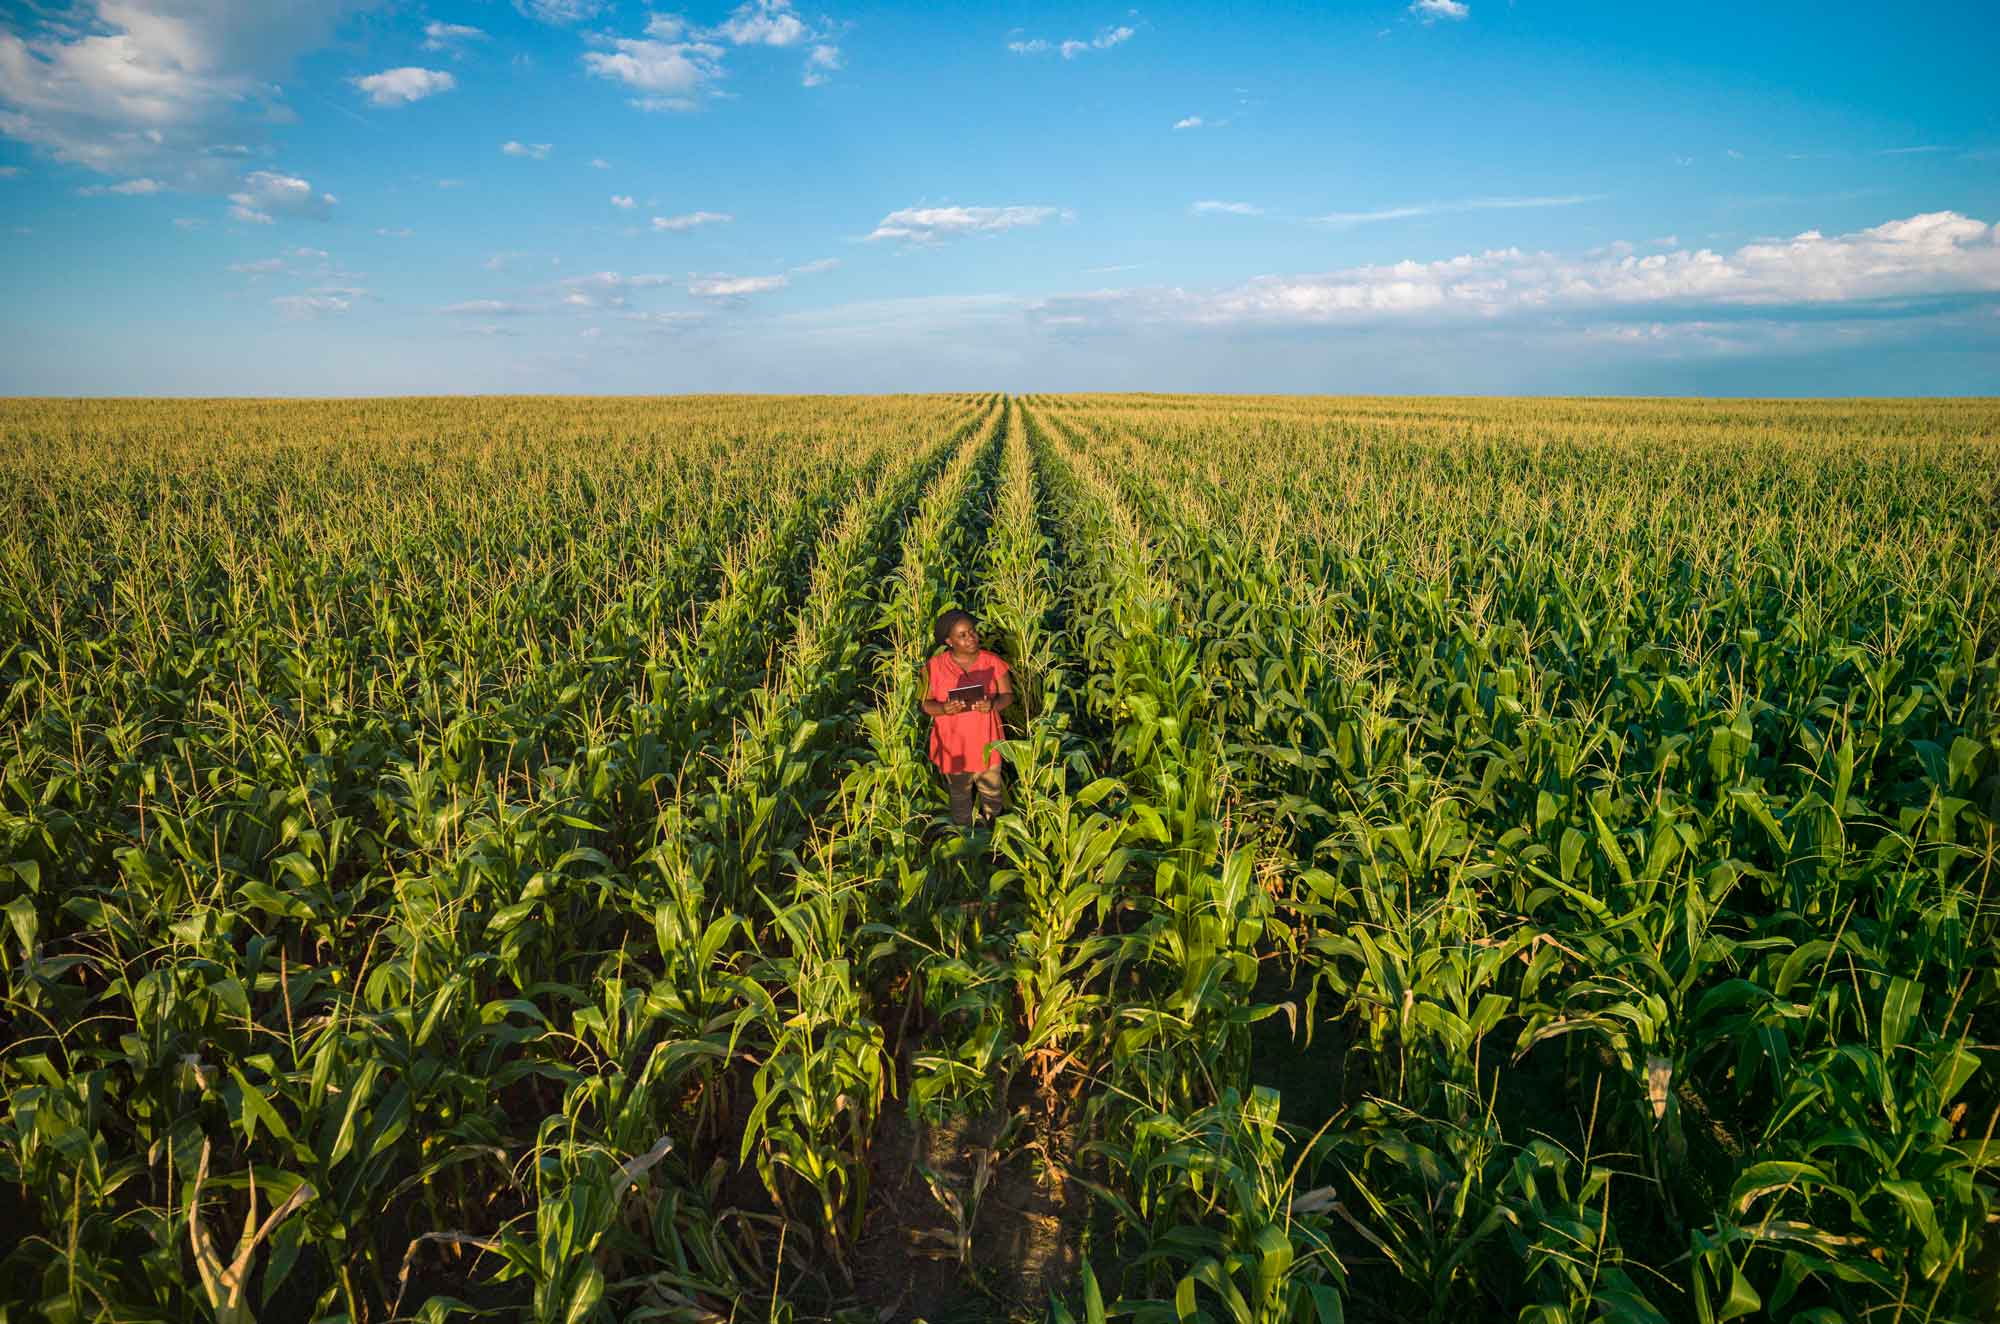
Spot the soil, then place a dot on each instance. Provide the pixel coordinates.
(1015, 1245)
(1311, 1080)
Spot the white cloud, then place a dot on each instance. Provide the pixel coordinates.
(1937, 254)
(823, 60)
(731, 287)
(665, 324)
(623, 201)
(501, 261)
(533, 151)
(1910, 151)
(763, 23)
(266, 195)
(399, 87)
(1069, 50)
(1191, 122)
(671, 73)
(690, 220)
(1467, 204)
(599, 163)
(131, 188)
(268, 266)
(816, 266)
(927, 225)
(315, 305)
(395, 232)
(675, 66)
(1430, 11)
(10, 172)
(559, 12)
(114, 84)
(1103, 41)
(188, 223)
(1212, 208)
(611, 283)
(451, 183)
(449, 36)
(772, 23)
(485, 308)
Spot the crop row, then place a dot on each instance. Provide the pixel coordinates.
(374, 917)
(1630, 818)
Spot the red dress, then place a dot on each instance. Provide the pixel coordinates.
(963, 743)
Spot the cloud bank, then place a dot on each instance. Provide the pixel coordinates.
(114, 85)
(1926, 257)
(929, 225)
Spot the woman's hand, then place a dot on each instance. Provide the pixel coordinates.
(983, 706)
(953, 707)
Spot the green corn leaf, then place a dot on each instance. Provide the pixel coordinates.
(1949, 1074)
(1274, 1261)
(1327, 1305)
(1761, 1179)
(21, 916)
(257, 1109)
(1608, 843)
(1899, 1008)
(1742, 1299)
(1570, 852)
(1093, 1297)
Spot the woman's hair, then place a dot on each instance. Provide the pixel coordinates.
(948, 622)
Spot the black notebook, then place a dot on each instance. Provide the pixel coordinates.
(972, 691)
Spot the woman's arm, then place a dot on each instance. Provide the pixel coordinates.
(933, 705)
(1003, 696)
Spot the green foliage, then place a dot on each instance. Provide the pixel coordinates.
(1465, 859)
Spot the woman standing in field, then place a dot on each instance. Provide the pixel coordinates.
(968, 690)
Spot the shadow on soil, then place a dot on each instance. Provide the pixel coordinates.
(965, 1222)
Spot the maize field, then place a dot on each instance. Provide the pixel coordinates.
(1466, 859)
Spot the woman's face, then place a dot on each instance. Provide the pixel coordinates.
(963, 638)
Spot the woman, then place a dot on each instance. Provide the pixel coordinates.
(964, 729)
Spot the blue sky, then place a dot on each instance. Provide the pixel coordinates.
(344, 197)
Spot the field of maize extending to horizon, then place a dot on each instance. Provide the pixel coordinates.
(1466, 859)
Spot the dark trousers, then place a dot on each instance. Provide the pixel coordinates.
(992, 794)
